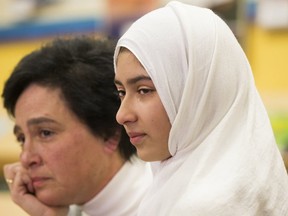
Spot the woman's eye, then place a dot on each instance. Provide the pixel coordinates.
(45, 133)
(20, 139)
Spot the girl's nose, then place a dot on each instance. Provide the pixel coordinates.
(126, 112)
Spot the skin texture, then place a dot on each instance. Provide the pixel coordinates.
(59, 154)
(141, 111)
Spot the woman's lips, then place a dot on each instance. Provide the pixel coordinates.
(39, 181)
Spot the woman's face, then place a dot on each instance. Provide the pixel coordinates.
(141, 111)
(58, 150)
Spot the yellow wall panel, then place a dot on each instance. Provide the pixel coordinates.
(267, 51)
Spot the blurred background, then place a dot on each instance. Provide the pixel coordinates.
(261, 27)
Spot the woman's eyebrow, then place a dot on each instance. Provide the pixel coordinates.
(34, 121)
(133, 80)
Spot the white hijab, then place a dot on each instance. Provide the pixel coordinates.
(225, 159)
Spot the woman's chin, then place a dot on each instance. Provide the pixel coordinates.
(52, 199)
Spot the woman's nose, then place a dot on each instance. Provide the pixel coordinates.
(29, 156)
(126, 112)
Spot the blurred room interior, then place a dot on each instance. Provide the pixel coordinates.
(261, 27)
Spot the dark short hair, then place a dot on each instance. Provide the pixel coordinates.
(82, 68)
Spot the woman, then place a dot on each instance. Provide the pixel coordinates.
(73, 155)
(189, 103)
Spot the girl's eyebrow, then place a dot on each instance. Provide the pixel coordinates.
(134, 80)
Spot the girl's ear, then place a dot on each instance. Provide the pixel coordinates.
(112, 143)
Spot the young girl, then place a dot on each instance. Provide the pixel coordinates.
(189, 103)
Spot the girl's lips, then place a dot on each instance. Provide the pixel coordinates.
(136, 138)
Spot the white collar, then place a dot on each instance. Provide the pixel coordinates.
(123, 193)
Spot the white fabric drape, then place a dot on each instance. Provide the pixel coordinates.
(225, 159)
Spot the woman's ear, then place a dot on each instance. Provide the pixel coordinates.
(111, 144)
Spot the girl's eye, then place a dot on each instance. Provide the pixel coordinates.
(121, 93)
(144, 91)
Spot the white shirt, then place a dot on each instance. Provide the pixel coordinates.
(122, 195)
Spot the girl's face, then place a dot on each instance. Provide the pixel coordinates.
(141, 111)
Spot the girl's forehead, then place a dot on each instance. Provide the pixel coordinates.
(127, 54)
(127, 57)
